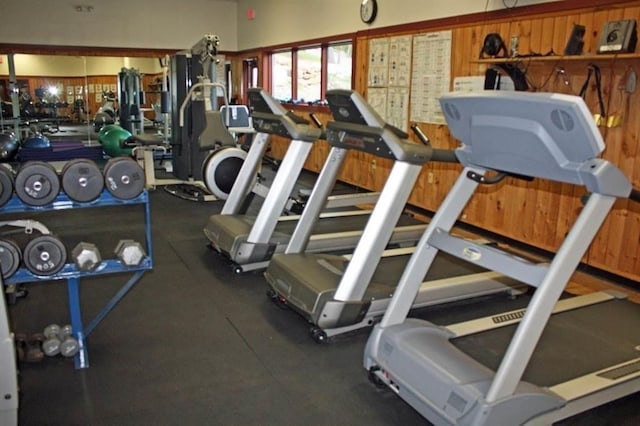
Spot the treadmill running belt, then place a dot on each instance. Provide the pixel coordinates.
(571, 344)
(340, 224)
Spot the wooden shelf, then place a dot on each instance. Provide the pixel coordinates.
(557, 58)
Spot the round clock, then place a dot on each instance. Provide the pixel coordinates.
(368, 10)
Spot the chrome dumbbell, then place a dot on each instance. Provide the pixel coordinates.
(59, 340)
(51, 344)
(69, 346)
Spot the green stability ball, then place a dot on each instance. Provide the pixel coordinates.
(112, 137)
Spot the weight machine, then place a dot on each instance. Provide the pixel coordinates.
(202, 146)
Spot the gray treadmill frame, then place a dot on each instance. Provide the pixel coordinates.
(345, 311)
(549, 136)
(255, 250)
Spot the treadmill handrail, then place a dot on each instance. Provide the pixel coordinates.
(381, 142)
(269, 116)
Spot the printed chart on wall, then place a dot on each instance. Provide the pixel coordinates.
(431, 76)
(389, 78)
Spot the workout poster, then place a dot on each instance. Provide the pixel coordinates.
(431, 76)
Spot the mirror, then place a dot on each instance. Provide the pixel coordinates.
(58, 94)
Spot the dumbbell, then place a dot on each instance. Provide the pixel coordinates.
(130, 252)
(69, 346)
(86, 256)
(59, 340)
(51, 344)
(33, 348)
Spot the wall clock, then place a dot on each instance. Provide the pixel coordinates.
(368, 10)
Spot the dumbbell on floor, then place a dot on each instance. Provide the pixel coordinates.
(59, 340)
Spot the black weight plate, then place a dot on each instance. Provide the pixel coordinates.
(6, 185)
(124, 178)
(9, 258)
(82, 180)
(44, 255)
(37, 183)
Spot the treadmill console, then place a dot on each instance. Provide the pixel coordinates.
(269, 116)
(546, 135)
(358, 126)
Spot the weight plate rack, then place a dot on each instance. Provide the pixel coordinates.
(72, 274)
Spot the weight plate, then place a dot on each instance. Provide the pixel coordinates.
(9, 258)
(82, 180)
(44, 255)
(124, 178)
(37, 183)
(220, 170)
(6, 185)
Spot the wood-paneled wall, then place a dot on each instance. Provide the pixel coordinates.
(538, 213)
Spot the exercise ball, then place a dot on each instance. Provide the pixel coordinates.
(112, 138)
(37, 141)
(8, 146)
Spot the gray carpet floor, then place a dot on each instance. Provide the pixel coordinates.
(194, 344)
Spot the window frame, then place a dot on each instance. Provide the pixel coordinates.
(324, 45)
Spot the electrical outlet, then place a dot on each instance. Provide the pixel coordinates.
(430, 177)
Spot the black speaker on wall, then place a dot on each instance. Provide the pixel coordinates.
(576, 40)
(618, 37)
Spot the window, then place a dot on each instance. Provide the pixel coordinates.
(305, 74)
(281, 68)
(339, 66)
(309, 74)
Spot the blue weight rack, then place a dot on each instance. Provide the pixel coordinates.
(72, 275)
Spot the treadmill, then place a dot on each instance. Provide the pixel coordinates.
(553, 359)
(341, 293)
(249, 241)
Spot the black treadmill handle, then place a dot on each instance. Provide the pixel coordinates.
(420, 134)
(316, 120)
(296, 118)
(444, 156)
(399, 133)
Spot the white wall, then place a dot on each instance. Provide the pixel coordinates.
(158, 24)
(283, 21)
(171, 24)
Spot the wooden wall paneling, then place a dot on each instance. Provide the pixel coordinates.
(460, 51)
(521, 209)
(607, 243)
(361, 65)
(540, 212)
(560, 35)
(537, 31)
(547, 28)
(616, 233)
(631, 248)
(546, 214)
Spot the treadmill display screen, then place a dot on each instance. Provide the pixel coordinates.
(344, 110)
